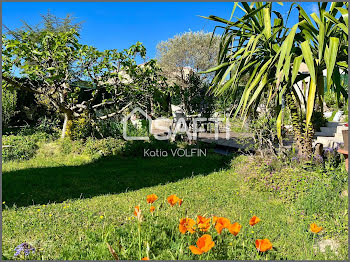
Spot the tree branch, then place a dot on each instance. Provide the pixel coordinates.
(113, 114)
(18, 85)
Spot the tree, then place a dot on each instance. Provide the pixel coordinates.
(197, 50)
(49, 23)
(77, 79)
(271, 55)
(151, 90)
(185, 54)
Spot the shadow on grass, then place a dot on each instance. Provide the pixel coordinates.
(107, 175)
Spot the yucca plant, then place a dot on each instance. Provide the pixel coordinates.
(324, 45)
(271, 54)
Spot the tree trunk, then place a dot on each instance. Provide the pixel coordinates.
(302, 135)
(67, 125)
(305, 147)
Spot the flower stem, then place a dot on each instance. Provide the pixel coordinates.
(139, 229)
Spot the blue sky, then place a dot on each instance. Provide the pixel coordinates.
(119, 25)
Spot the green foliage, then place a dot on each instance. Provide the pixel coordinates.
(333, 103)
(48, 125)
(197, 96)
(81, 127)
(114, 128)
(103, 147)
(238, 126)
(287, 182)
(180, 58)
(319, 120)
(79, 79)
(22, 146)
(272, 55)
(33, 47)
(110, 128)
(91, 147)
(49, 22)
(9, 99)
(264, 130)
(19, 148)
(68, 146)
(291, 179)
(197, 50)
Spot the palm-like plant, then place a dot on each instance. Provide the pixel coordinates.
(271, 54)
(325, 46)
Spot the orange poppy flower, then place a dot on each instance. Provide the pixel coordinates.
(186, 224)
(222, 223)
(254, 220)
(314, 228)
(152, 208)
(234, 228)
(263, 245)
(180, 201)
(203, 223)
(151, 198)
(204, 244)
(137, 210)
(215, 219)
(137, 213)
(173, 199)
(145, 258)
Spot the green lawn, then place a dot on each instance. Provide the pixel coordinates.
(62, 226)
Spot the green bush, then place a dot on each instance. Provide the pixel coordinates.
(23, 145)
(9, 99)
(20, 147)
(139, 130)
(48, 125)
(113, 128)
(291, 180)
(110, 128)
(288, 182)
(265, 132)
(103, 147)
(81, 128)
(68, 146)
(91, 146)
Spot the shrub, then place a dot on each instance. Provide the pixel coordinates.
(24, 144)
(113, 128)
(264, 130)
(141, 129)
(91, 146)
(103, 147)
(48, 125)
(318, 120)
(110, 128)
(68, 146)
(20, 147)
(289, 180)
(81, 127)
(9, 99)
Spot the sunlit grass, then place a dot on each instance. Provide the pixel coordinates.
(81, 228)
